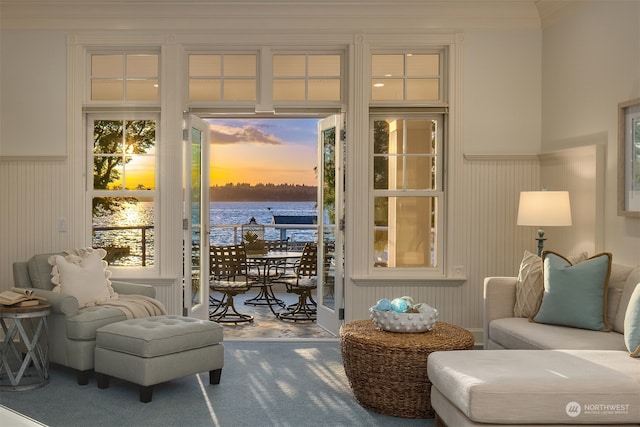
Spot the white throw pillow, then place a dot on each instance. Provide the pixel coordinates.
(83, 274)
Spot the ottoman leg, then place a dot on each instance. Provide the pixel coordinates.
(214, 376)
(103, 380)
(146, 392)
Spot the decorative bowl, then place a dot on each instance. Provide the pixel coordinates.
(405, 322)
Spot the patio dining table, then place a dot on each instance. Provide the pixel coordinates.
(264, 263)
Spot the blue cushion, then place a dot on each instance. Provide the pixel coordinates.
(632, 324)
(575, 295)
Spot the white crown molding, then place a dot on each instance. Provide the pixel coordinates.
(267, 15)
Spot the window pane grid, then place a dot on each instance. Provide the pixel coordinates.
(124, 77)
(123, 190)
(223, 77)
(406, 192)
(306, 77)
(405, 77)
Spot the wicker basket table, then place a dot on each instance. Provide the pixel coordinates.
(387, 371)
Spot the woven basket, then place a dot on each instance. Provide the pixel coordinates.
(388, 371)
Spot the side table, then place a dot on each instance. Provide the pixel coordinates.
(387, 371)
(24, 364)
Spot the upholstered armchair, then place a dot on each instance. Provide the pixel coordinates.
(72, 328)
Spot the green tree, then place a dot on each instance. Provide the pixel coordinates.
(114, 141)
(329, 170)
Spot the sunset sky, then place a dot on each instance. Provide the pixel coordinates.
(276, 151)
(253, 151)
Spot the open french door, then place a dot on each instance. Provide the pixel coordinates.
(331, 151)
(196, 218)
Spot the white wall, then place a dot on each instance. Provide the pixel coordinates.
(33, 93)
(502, 91)
(590, 63)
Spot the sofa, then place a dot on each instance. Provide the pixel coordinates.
(532, 373)
(72, 328)
(503, 330)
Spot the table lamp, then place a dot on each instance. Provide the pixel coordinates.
(543, 209)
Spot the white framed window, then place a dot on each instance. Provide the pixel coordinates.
(228, 77)
(407, 77)
(407, 197)
(312, 77)
(123, 77)
(407, 187)
(122, 170)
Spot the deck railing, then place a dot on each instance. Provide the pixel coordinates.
(115, 251)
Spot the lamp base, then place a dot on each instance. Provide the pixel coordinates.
(540, 240)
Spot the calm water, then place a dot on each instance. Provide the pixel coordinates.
(239, 213)
(126, 243)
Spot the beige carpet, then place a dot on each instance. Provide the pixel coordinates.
(265, 324)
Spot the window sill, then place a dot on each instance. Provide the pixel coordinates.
(410, 281)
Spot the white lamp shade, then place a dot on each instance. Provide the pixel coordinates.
(544, 208)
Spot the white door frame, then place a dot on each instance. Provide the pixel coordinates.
(196, 224)
(330, 293)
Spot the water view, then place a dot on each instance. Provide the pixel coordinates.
(238, 213)
(124, 244)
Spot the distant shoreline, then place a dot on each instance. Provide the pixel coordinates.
(263, 193)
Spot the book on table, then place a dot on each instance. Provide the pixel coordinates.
(18, 297)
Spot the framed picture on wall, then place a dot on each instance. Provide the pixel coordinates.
(629, 158)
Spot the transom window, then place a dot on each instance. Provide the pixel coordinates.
(307, 77)
(123, 196)
(406, 77)
(223, 77)
(124, 77)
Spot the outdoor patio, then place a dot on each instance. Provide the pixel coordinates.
(265, 324)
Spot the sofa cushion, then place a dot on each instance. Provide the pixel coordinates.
(539, 387)
(520, 333)
(619, 275)
(84, 325)
(84, 276)
(632, 324)
(40, 271)
(530, 283)
(632, 280)
(575, 295)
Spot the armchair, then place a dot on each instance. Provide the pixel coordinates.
(72, 330)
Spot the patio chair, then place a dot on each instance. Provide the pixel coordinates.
(304, 282)
(229, 277)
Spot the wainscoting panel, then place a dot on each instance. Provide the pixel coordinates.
(34, 212)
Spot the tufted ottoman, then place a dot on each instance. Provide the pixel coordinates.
(152, 350)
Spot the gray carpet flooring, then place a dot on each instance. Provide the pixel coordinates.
(264, 383)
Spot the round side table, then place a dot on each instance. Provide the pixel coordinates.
(24, 364)
(387, 371)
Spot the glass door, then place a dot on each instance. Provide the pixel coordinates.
(331, 151)
(196, 219)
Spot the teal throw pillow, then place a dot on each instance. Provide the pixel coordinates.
(632, 324)
(575, 295)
